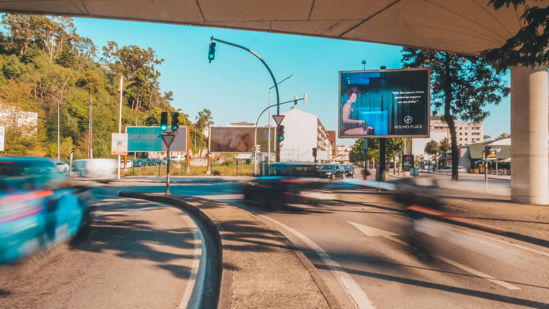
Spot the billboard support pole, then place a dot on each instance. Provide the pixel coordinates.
(188, 156)
(381, 176)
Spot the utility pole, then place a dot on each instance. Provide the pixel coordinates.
(90, 135)
(58, 134)
(120, 119)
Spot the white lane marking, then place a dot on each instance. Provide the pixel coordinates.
(373, 232)
(478, 273)
(197, 252)
(350, 286)
(222, 196)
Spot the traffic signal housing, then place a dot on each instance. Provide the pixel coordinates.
(211, 53)
(163, 121)
(280, 133)
(175, 121)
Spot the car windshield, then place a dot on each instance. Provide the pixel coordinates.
(27, 168)
(329, 167)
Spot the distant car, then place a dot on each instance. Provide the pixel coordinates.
(285, 183)
(332, 171)
(349, 170)
(37, 207)
(98, 169)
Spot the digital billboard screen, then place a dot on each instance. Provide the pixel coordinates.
(240, 139)
(384, 103)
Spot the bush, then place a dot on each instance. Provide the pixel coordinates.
(216, 173)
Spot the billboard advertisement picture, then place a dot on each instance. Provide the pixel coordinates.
(239, 139)
(384, 103)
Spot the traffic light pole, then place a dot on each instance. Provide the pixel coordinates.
(270, 72)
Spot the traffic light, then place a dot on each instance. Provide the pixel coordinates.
(280, 132)
(175, 121)
(211, 53)
(163, 121)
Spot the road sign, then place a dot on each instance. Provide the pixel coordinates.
(119, 144)
(168, 138)
(149, 139)
(1, 138)
(278, 119)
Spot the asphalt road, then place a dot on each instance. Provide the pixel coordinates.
(136, 254)
(360, 251)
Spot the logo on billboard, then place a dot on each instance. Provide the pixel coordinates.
(408, 119)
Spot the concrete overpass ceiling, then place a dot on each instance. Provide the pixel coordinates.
(465, 26)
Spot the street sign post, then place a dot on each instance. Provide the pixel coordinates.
(167, 139)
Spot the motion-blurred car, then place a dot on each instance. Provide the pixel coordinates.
(349, 170)
(37, 207)
(98, 169)
(332, 171)
(286, 183)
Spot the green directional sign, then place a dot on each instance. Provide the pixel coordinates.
(144, 139)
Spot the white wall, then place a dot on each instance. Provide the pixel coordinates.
(300, 136)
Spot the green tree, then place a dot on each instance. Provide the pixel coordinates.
(204, 119)
(394, 148)
(433, 148)
(530, 46)
(461, 85)
(444, 147)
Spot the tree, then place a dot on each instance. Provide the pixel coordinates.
(432, 148)
(461, 85)
(530, 46)
(444, 146)
(204, 119)
(394, 148)
(503, 136)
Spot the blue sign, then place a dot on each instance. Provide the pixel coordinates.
(144, 139)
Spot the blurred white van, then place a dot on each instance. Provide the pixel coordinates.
(100, 169)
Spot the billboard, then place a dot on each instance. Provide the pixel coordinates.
(119, 144)
(149, 139)
(384, 103)
(240, 139)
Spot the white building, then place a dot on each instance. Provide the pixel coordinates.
(467, 133)
(302, 133)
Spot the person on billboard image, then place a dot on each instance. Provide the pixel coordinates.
(350, 122)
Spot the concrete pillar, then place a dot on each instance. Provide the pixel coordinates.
(529, 135)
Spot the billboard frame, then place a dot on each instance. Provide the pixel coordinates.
(236, 152)
(339, 108)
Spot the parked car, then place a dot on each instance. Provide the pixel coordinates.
(63, 167)
(38, 208)
(98, 169)
(332, 171)
(285, 183)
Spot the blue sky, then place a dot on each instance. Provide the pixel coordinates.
(235, 85)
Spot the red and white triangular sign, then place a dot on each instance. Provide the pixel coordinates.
(278, 119)
(168, 139)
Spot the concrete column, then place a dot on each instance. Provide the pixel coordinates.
(529, 135)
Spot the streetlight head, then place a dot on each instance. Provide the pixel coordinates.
(304, 98)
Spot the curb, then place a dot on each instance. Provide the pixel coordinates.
(206, 292)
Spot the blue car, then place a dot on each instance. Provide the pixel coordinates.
(37, 207)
